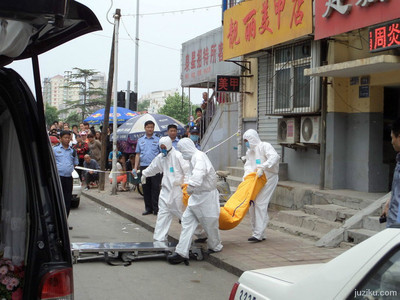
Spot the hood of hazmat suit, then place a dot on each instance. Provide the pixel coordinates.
(166, 141)
(261, 155)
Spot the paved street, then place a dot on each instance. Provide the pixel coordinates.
(238, 255)
(144, 279)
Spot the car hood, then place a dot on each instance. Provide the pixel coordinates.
(289, 274)
(275, 282)
(24, 35)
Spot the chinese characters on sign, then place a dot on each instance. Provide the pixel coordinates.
(202, 59)
(227, 83)
(345, 8)
(333, 17)
(385, 36)
(257, 24)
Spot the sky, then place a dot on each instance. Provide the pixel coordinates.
(163, 27)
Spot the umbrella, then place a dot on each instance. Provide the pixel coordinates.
(123, 114)
(134, 127)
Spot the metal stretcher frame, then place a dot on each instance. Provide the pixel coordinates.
(126, 251)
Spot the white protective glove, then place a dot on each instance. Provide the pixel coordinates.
(190, 189)
(260, 172)
(143, 179)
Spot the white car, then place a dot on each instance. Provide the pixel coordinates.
(76, 190)
(370, 270)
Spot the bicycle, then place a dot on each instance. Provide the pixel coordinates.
(223, 187)
(136, 182)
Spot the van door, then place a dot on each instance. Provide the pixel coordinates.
(34, 231)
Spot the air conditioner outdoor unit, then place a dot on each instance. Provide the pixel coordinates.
(309, 132)
(288, 130)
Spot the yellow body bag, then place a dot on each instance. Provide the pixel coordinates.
(185, 198)
(238, 204)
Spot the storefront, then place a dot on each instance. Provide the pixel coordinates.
(362, 72)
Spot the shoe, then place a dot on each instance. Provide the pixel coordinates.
(201, 240)
(145, 213)
(256, 240)
(86, 188)
(175, 259)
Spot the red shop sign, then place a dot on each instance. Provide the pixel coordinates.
(385, 36)
(333, 17)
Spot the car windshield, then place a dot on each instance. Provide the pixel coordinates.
(383, 282)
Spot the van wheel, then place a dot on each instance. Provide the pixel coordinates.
(75, 202)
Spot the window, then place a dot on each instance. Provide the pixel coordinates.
(383, 282)
(289, 91)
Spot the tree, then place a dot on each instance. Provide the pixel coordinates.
(91, 97)
(143, 105)
(174, 107)
(51, 114)
(73, 118)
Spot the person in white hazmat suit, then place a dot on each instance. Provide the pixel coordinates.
(173, 167)
(262, 158)
(203, 204)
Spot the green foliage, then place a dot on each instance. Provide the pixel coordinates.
(176, 108)
(91, 98)
(73, 118)
(51, 114)
(143, 105)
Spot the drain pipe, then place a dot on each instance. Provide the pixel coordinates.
(323, 132)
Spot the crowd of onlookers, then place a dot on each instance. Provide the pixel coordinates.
(86, 141)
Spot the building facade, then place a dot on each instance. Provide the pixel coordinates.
(323, 95)
(157, 99)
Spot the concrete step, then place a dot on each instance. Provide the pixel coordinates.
(357, 236)
(236, 171)
(309, 222)
(233, 181)
(372, 223)
(299, 231)
(330, 212)
(341, 200)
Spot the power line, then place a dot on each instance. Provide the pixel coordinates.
(159, 45)
(173, 11)
(130, 39)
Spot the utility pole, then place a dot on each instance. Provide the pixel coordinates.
(117, 16)
(135, 86)
(104, 131)
(128, 95)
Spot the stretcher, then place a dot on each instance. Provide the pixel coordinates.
(124, 253)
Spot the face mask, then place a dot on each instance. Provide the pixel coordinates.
(186, 156)
(247, 145)
(164, 152)
(194, 138)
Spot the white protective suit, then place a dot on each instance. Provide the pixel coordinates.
(173, 167)
(203, 203)
(261, 155)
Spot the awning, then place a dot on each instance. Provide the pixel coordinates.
(358, 67)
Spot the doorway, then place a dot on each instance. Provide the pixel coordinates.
(391, 111)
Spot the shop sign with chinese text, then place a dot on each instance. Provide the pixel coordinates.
(228, 83)
(334, 17)
(385, 36)
(202, 59)
(258, 24)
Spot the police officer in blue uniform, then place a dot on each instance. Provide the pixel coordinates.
(66, 159)
(172, 131)
(147, 149)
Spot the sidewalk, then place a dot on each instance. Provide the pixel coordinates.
(238, 255)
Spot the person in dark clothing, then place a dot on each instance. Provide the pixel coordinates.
(81, 148)
(90, 176)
